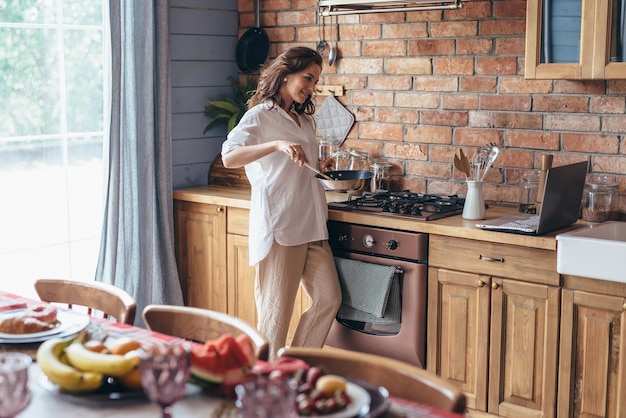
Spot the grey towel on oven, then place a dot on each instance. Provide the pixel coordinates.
(370, 292)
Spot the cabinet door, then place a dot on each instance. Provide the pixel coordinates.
(523, 351)
(458, 331)
(200, 231)
(592, 379)
(585, 39)
(241, 278)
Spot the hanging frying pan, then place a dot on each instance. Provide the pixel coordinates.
(253, 47)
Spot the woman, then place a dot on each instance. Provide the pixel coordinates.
(288, 210)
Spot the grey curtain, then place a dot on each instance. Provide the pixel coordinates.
(137, 247)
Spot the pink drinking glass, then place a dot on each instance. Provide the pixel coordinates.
(264, 397)
(14, 393)
(164, 374)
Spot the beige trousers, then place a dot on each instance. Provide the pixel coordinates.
(278, 277)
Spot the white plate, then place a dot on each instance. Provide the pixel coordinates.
(360, 403)
(11, 336)
(107, 392)
(70, 322)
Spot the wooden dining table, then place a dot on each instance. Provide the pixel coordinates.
(48, 401)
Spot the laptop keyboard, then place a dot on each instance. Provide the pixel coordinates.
(529, 223)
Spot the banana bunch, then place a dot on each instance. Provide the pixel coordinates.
(50, 357)
(75, 368)
(115, 365)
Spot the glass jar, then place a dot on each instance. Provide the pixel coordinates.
(359, 159)
(528, 192)
(600, 200)
(343, 160)
(381, 179)
(326, 148)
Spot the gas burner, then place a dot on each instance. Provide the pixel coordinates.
(404, 204)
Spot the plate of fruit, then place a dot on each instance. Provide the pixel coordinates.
(333, 397)
(88, 371)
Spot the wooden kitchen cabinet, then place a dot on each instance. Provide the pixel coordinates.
(212, 259)
(200, 235)
(493, 327)
(241, 275)
(598, 42)
(592, 371)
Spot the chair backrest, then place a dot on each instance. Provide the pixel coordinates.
(201, 325)
(399, 378)
(96, 298)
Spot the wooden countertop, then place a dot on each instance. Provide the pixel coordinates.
(454, 226)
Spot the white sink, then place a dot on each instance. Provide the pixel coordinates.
(597, 252)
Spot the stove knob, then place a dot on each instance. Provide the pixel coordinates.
(392, 245)
(368, 241)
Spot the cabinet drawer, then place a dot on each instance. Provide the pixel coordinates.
(501, 260)
(237, 221)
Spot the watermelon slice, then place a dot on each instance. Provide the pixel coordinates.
(224, 360)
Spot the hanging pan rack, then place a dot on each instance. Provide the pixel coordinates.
(346, 7)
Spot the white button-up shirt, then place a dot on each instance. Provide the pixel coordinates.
(288, 204)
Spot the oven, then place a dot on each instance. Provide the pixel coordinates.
(404, 252)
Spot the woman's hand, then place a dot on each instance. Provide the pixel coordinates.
(294, 151)
(328, 164)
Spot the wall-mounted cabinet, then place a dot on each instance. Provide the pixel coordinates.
(575, 39)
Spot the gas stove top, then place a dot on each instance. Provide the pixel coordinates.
(405, 204)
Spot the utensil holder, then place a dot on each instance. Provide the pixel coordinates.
(474, 207)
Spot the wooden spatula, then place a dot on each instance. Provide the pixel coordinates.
(458, 165)
(464, 163)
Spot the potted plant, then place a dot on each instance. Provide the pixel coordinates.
(229, 109)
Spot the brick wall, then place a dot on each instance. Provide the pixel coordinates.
(422, 85)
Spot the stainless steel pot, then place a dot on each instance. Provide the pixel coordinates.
(346, 180)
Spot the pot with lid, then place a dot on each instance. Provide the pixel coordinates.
(359, 159)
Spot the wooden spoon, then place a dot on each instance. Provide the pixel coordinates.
(327, 177)
(465, 163)
(458, 165)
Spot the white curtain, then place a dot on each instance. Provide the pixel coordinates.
(137, 247)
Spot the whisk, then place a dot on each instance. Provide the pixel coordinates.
(483, 160)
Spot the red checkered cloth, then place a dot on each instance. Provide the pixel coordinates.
(399, 407)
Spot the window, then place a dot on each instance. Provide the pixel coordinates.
(52, 84)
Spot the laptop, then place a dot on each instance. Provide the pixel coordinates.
(560, 205)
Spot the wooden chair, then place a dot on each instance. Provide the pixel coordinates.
(399, 378)
(200, 325)
(109, 301)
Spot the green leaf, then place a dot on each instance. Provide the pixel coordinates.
(225, 105)
(229, 110)
(232, 122)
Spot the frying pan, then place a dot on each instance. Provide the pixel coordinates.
(344, 180)
(253, 47)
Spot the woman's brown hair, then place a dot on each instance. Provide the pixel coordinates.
(292, 60)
